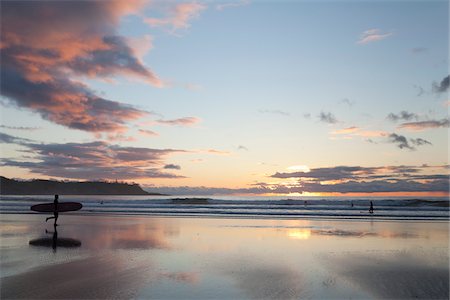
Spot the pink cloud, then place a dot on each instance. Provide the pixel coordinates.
(147, 132)
(48, 45)
(186, 121)
(216, 152)
(425, 125)
(372, 35)
(346, 130)
(178, 17)
(356, 131)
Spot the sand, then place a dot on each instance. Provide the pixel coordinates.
(135, 257)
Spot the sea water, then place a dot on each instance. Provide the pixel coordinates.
(436, 208)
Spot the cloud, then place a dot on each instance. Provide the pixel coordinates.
(402, 141)
(178, 16)
(419, 50)
(347, 101)
(340, 179)
(332, 173)
(347, 130)
(217, 152)
(234, 4)
(241, 147)
(420, 142)
(147, 132)
(20, 128)
(378, 186)
(187, 121)
(172, 167)
(348, 179)
(420, 90)
(47, 46)
(424, 125)
(274, 111)
(403, 115)
(328, 118)
(90, 161)
(443, 86)
(372, 35)
(9, 139)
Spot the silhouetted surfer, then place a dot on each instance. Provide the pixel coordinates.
(55, 212)
(371, 207)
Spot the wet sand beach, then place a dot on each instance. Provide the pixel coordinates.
(123, 257)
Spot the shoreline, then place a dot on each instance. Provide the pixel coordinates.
(243, 216)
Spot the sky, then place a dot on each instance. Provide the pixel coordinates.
(229, 97)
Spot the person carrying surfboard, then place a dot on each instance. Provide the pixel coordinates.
(56, 207)
(55, 212)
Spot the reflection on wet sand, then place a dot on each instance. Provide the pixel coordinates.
(261, 280)
(186, 277)
(299, 234)
(103, 277)
(55, 241)
(112, 233)
(401, 275)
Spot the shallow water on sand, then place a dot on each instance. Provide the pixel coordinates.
(198, 258)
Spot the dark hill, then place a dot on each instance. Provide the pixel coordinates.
(51, 187)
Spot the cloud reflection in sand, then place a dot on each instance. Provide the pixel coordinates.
(125, 235)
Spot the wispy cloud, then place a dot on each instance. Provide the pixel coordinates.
(93, 160)
(441, 87)
(9, 139)
(147, 132)
(241, 147)
(424, 125)
(328, 118)
(274, 111)
(402, 142)
(25, 128)
(403, 115)
(172, 167)
(372, 35)
(419, 50)
(186, 121)
(348, 102)
(216, 152)
(354, 131)
(347, 130)
(233, 4)
(178, 16)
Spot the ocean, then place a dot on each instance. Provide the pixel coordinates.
(395, 208)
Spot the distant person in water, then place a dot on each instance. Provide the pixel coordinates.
(55, 212)
(371, 207)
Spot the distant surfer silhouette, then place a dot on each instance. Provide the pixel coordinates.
(55, 212)
(371, 207)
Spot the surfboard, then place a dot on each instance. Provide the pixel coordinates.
(62, 207)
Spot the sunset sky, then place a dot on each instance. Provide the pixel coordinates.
(228, 97)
